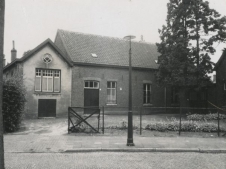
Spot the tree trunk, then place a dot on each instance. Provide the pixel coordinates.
(2, 17)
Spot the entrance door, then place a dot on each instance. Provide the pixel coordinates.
(47, 108)
(91, 99)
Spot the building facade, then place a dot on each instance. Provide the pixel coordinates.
(83, 70)
(220, 90)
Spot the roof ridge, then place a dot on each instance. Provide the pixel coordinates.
(104, 36)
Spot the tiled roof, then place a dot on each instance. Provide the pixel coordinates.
(110, 51)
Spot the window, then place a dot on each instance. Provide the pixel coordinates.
(147, 94)
(91, 85)
(47, 80)
(174, 95)
(111, 92)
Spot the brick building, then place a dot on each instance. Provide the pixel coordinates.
(87, 70)
(220, 90)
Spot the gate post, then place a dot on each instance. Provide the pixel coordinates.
(103, 120)
(141, 120)
(218, 123)
(180, 122)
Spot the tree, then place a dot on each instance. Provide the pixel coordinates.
(187, 40)
(2, 17)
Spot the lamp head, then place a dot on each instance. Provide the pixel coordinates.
(129, 37)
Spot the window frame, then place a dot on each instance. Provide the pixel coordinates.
(145, 94)
(111, 89)
(48, 71)
(93, 84)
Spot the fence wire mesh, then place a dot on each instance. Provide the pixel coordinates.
(148, 120)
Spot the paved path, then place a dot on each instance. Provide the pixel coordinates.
(115, 160)
(73, 143)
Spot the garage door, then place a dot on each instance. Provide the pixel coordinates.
(47, 108)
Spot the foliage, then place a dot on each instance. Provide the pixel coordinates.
(79, 128)
(122, 126)
(210, 116)
(187, 40)
(13, 103)
(189, 126)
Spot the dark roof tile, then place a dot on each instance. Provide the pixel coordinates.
(109, 51)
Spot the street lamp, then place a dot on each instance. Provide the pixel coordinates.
(130, 113)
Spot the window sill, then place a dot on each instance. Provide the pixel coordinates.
(111, 104)
(149, 104)
(46, 93)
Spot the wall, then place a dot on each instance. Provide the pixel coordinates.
(120, 75)
(63, 98)
(220, 80)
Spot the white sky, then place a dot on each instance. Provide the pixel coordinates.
(30, 22)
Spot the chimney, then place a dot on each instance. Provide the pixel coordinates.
(141, 38)
(3, 60)
(13, 53)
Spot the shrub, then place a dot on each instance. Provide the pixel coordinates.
(192, 126)
(13, 103)
(123, 125)
(210, 116)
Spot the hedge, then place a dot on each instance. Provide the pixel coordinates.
(13, 103)
(191, 126)
(210, 116)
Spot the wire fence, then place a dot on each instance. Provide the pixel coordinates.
(163, 119)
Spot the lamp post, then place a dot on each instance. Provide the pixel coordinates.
(130, 113)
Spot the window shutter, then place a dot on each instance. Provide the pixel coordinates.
(44, 84)
(50, 84)
(38, 83)
(56, 84)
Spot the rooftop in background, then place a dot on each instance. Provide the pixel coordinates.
(79, 47)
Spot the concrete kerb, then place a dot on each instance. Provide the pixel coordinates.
(151, 150)
(163, 150)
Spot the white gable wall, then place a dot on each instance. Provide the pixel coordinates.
(63, 99)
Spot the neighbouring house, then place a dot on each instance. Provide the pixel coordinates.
(84, 70)
(220, 90)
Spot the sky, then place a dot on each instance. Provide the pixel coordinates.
(30, 22)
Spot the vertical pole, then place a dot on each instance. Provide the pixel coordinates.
(68, 120)
(180, 122)
(2, 21)
(103, 121)
(218, 125)
(165, 101)
(130, 113)
(98, 120)
(141, 120)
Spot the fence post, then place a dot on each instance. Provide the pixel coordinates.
(218, 127)
(180, 122)
(68, 120)
(141, 120)
(98, 120)
(103, 120)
